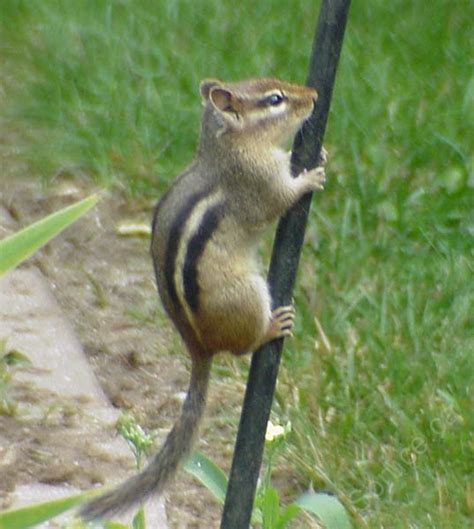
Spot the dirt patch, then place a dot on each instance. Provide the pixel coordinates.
(104, 283)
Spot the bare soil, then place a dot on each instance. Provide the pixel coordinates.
(104, 283)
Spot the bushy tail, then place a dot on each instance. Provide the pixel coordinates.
(154, 478)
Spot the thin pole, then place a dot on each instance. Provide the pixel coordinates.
(284, 263)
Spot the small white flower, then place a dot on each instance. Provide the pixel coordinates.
(274, 431)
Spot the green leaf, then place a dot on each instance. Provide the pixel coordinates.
(31, 515)
(139, 519)
(271, 508)
(208, 473)
(327, 508)
(14, 358)
(115, 525)
(287, 515)
(17, 247)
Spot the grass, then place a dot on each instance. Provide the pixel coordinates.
(382, 412)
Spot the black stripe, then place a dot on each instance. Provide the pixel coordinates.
(173, 243)
(196, 246)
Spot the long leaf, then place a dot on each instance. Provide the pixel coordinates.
(207, 473)
(327, 508)
(17, 247)
(31, 515)
(271, 508)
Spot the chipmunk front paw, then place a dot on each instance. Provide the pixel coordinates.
(315, 177)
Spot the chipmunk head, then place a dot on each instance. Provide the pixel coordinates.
(261, 109)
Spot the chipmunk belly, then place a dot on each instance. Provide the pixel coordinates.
(234, 308)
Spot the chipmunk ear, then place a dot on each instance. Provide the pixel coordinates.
(222, 99)
(206, 86)
(226, 105)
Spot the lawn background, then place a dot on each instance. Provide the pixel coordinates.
(381, 401)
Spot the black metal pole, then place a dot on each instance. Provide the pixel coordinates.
(284, 263)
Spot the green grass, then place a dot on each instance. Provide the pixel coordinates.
(382, 411)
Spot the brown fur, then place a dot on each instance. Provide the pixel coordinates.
(242, 172)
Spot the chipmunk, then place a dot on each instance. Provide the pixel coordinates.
(205, 234)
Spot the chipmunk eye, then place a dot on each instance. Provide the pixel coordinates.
(274, 99)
